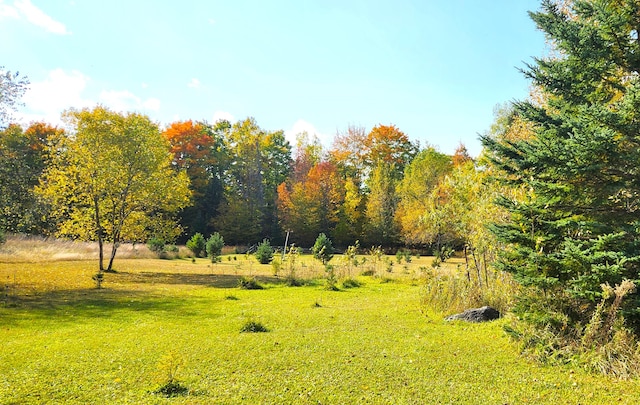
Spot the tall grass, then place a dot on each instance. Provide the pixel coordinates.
(448, 292)
(23, 248)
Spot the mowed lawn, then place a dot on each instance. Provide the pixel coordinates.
(63, 341)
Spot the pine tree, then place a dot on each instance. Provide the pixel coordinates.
(579, 224)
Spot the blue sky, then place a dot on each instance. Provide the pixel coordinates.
(435, 69)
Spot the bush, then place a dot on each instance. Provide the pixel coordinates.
(403, 254)
(253, 327)
(264, 252)
(214, 246)
(276, 265)
(3, 238)
(323, 249)
(350, 283)
(198, 245)
(157, 246)
(249, 283)
(168, 369)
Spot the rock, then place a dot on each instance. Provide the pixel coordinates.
(483, 314)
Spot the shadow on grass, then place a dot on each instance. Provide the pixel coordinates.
(209, 280)
(131, 296)
(71, 305)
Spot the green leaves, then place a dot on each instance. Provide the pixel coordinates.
(576, 227)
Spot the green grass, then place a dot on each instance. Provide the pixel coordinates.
(66, 342)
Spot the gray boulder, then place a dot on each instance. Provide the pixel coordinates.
(483, 314)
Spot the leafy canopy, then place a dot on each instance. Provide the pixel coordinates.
(110, 180)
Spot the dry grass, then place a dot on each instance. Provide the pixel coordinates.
(36, 265)
(31, 249)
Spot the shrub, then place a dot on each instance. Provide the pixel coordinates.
(291, 260)
(214, 246)
(253, 327)
(3, 238)
(350, 283)
(264, 252)
(276, 265)
(332, 282)
(249, 283)
(168, 368)
(98, 278)
(403, 254)
(197, 244)
(323, 249)
(157, 246)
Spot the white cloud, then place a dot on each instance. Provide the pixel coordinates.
(124, 100)
(34, 15)
(194, 83)
(45, 100)
(118, 100)
(301, 126)
(152, 104)
(8, 11)
(223, 115)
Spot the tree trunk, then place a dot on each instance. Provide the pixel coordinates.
(114, 249)
(100, 236)
(466, 262)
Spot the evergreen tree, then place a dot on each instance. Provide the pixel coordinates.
(578, 225)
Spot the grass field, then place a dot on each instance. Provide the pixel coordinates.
(63, 341)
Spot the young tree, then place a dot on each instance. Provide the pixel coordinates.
(577, 226)
(111, 180)
(323, 249)
(264, 252)
(214, 246)
(197, 244)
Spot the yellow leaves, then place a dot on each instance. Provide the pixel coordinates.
(117, 164)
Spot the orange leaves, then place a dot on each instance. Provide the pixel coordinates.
(189, 142)
(190, 145)
(387, 144)
(461, 156)
(311, 205)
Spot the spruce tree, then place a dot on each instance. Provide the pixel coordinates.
(579, 224)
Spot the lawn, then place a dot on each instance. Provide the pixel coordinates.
(63, 341)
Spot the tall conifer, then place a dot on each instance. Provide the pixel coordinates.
(579, 224)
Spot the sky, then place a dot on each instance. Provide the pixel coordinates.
(436, 69)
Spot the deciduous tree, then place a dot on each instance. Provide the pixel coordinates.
(12, 87)
(422, 196)
(111, 180)
(22, 160)
(259, 162)
(199, 149)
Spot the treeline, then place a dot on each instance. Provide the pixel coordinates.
(248, 184)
